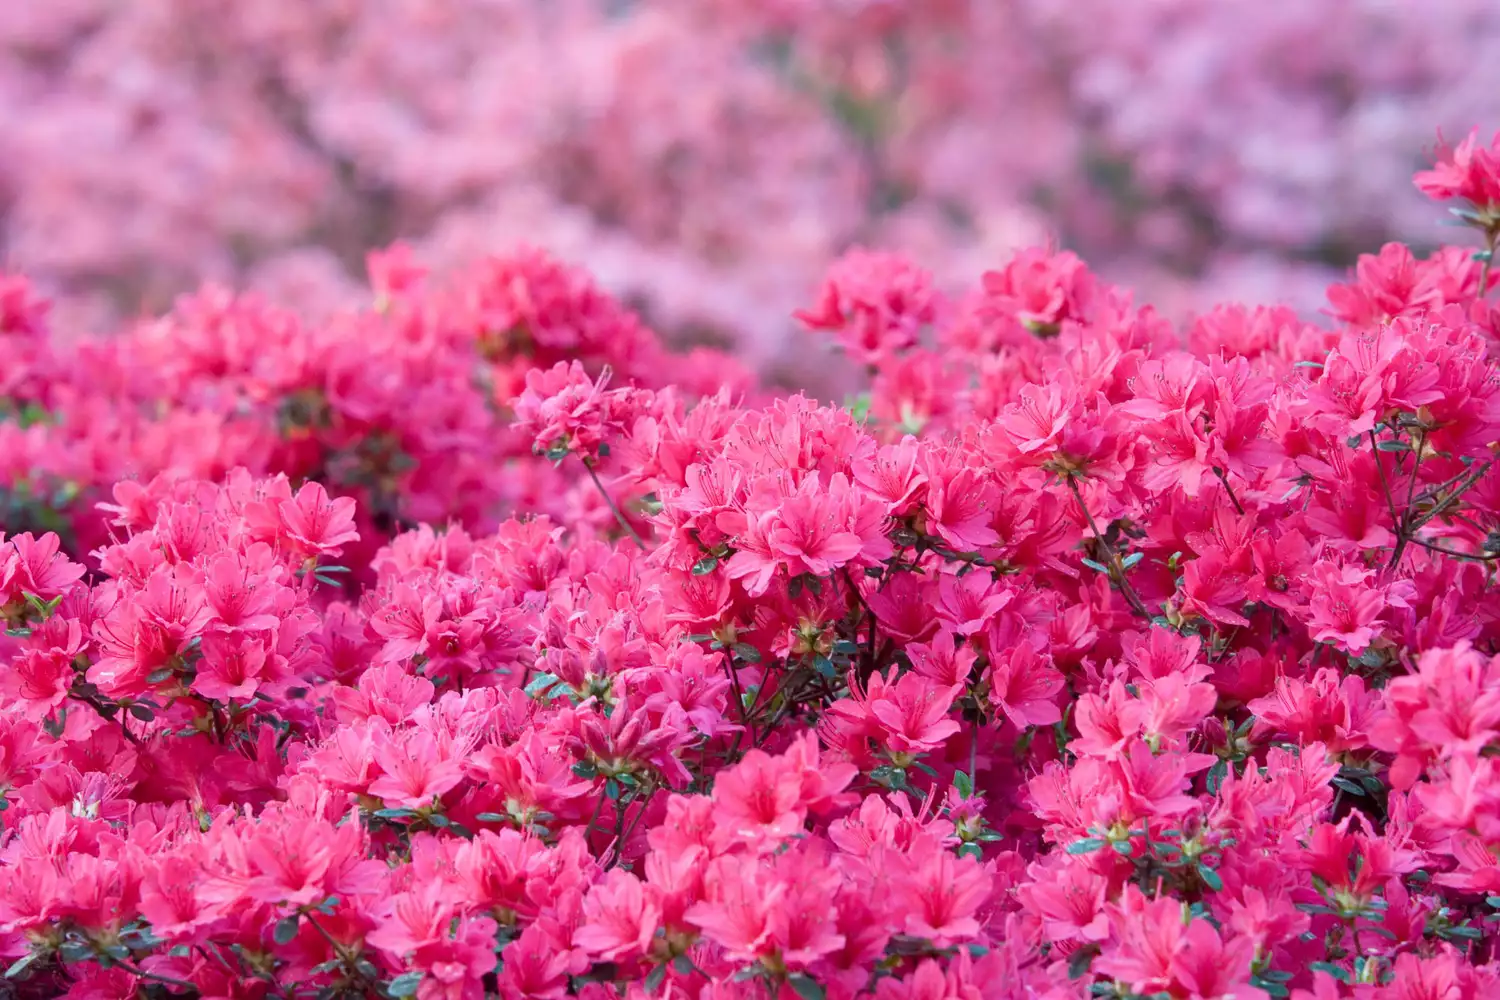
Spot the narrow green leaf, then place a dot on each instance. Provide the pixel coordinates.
(404, 985)
(285, 931)
(21, 964)
(807, 987)
(1086, 846)
(1080, 960)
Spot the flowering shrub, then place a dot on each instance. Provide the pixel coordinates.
(472, 645)
(1195, 148)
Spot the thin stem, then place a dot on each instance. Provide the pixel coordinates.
(1411, 484)
(1116, 570)
(1230, 490)
(1476, 556)
(1385, 487)
(739, 700)
(613, 507)
(865, 606)
(619, 849)
(338, 949)
(1454, 496)
(98, 705)
(136, 970)
(974, 751)
(1491, 237)
(217, 956)
(594, 819)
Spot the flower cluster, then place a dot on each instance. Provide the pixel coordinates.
(1196, 148)
(407, 404)
(1083, 655)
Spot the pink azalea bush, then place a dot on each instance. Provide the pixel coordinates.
(472, 644)
(706, 158)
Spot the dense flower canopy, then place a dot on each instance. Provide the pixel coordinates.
(473, 644)
(706, 158)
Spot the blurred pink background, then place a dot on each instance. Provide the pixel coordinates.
(708, 158)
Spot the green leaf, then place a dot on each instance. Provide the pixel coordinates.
(971, 851)
(655, 978)
(1095, 566)
(705, 566)
(1392, 446)
(1086, 846)
(1337, 972)
(612, 790)
(395, 813)
(807, 987)
(157, 676)
(585, 770)
(1210, 878)
(1080, 960)
(285, 931)
(746, 652)
(21, 964)
(489, 817)
(142, 712)
(1348, 786)
(825, 667)
(540, 683)
(1464, 931)
(964, 784)
(683, 964)
(404, 985)
(1270, 986)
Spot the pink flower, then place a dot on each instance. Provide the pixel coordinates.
(913, 712)
(316, 524)
(621, 917)
(1345, 609)
(739, 907)
(1025, 686)
(1468, 171)
(877, 303)
(759, 800)
(939, 895)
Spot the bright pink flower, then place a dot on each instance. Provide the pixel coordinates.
(877, 303)
(621, 917)
(940, 894)
(913, 712)
(739, 907)
(1344, 609)
(759, 800)
(1025, 686)
(1469, 171)
(316, 524)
